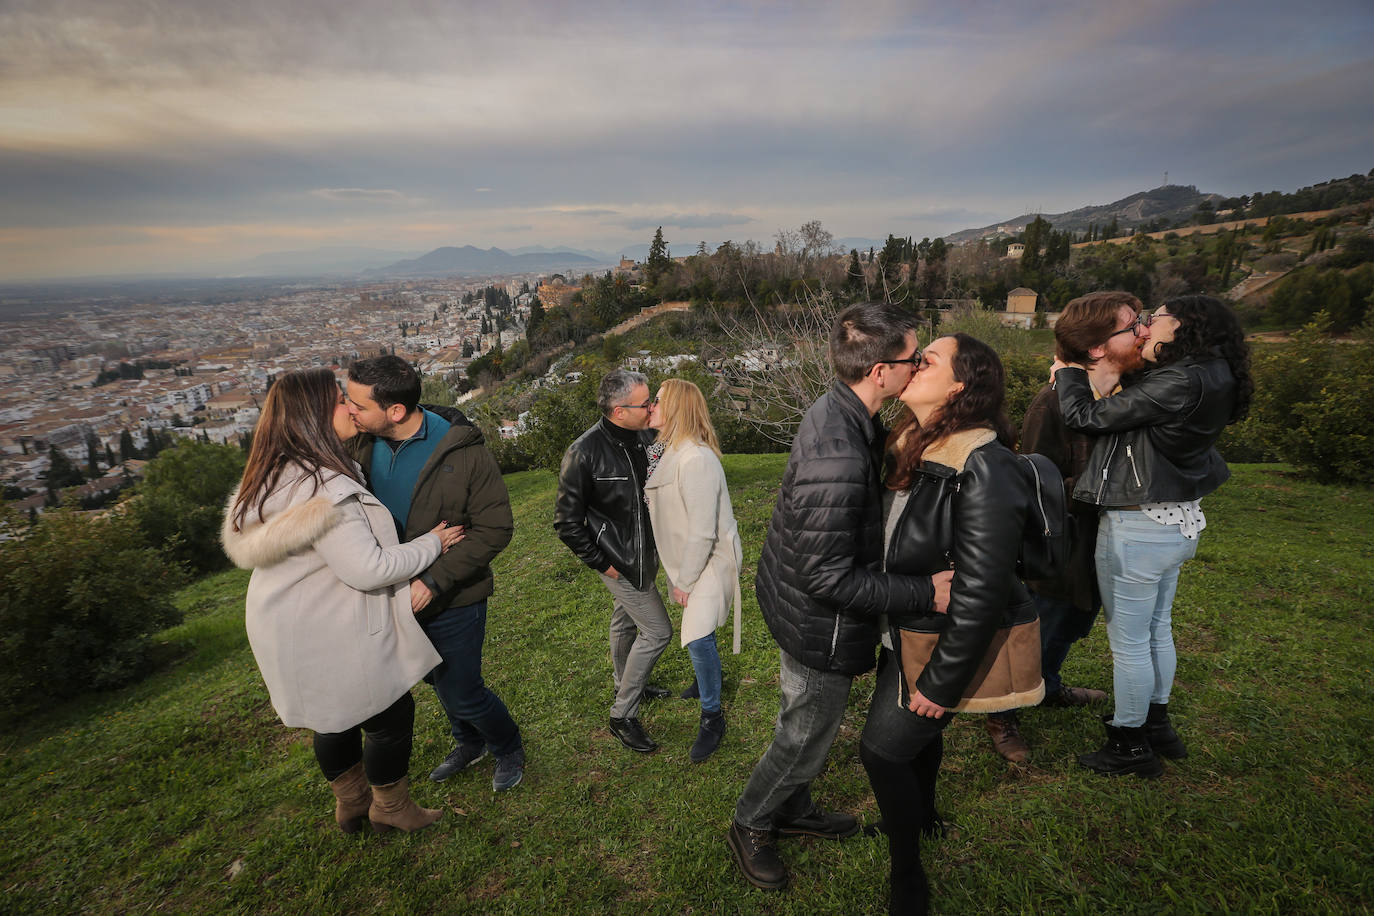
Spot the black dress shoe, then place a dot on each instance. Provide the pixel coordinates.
(757, 857)
(828, 825)
(655, 692)
(632, 735)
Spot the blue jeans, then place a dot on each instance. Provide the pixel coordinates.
(1138, 562)
(475, 714)
(1061, 625)
(706, 663)
(811, 707)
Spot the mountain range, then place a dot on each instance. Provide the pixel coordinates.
(451, 261)
(1171, 201)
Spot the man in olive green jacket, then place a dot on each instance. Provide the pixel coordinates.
(432, 463)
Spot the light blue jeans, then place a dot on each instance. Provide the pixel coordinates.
(706, 663)
(1138, 561)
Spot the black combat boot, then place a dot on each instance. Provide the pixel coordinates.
(1127, 751)
(1160, 731)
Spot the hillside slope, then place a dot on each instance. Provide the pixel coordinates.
(185, 795)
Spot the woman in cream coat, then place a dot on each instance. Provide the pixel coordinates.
(328, 605)
(698, 541)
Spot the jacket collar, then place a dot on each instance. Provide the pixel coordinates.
(953, 450)
(848, 401)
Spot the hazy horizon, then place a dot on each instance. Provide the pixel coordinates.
(149, 137)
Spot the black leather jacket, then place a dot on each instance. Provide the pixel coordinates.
(1163, 432)
(818, 583)
(971, 519)
(600, 511)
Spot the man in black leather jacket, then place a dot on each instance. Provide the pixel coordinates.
(819, 586)
(601, 515)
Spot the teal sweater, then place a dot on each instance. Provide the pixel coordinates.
(397, 465)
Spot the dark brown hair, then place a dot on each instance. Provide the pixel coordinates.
(1207, 327)
(1087, 322)
(296, 427)
(977, 405)
(866, 334)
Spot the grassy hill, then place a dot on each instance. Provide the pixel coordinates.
(185, 795)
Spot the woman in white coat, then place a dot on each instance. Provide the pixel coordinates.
(328, 605)
(697, 538)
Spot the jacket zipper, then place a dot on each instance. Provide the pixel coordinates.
(1131, 458)
(639, 533)
(1106, 468)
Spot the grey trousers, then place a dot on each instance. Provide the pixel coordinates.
(811, 708)
(640, 631)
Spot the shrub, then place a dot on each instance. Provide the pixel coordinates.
(80, 597)
(180, 503)
(1312, 406)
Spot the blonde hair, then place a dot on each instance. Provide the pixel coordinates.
(685, 417)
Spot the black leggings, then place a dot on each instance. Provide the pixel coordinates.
(386, 753)
(901, 752)
(906, 797)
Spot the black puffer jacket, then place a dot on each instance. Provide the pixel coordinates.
(818, 584)
(1164, 427)
(600, 511)
(967, 510)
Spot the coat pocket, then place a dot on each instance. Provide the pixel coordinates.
(378, 611)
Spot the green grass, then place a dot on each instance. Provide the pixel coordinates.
(184, 794)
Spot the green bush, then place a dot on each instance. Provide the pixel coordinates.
(80, 597)
(1313, 406)
(180, 503)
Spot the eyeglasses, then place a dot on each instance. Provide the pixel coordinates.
(645, 406)
(1141, 321)
(913, 360)
(1158, 313)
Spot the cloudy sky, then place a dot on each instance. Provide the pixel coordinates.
(176, 135)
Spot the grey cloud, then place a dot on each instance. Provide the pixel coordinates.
(367, 195)
(691, 221)
(584, 211)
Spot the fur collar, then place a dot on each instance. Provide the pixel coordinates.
(953, 450)
(290, 530)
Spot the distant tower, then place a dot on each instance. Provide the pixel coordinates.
(1166, 179)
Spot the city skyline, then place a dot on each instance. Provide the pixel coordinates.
(183, 136)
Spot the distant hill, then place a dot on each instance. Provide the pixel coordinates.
(1171, 202)
(338, 260)
(469, 259)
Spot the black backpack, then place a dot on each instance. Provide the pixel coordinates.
(1046, 540)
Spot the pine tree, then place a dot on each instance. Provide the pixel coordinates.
(658, 262)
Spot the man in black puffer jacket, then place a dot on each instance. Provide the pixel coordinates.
(819, 583)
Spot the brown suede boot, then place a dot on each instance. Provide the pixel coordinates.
(392, 807)
(352, 798)
(1005, 731)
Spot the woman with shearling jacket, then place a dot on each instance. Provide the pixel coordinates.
(1155, 460)
(957, 496)
(698, 540)
(328, 608)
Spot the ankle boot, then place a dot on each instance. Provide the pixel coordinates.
(1160, 731)
(708, 735)
(352, 798)
(1127, 751)
(392, 807)
(1005, 731)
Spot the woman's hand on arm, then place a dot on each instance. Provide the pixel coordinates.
(448, 535)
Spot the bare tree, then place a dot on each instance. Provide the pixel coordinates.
(779, 393)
